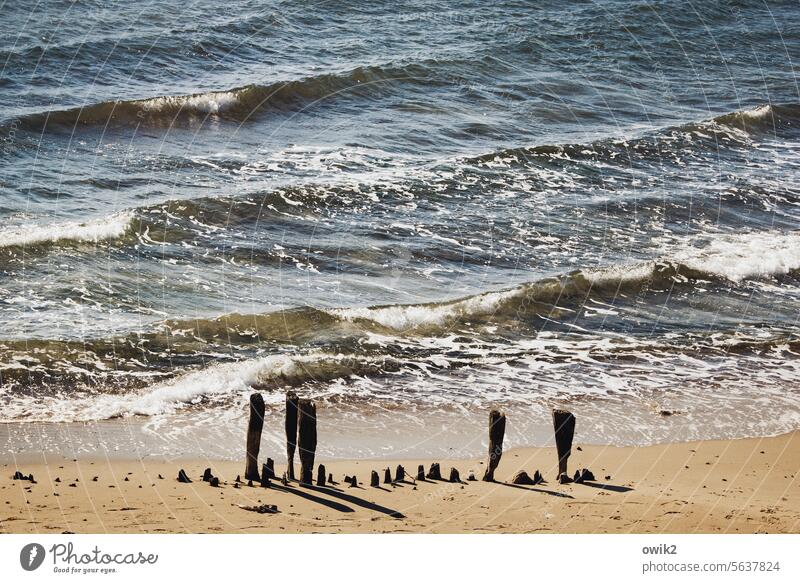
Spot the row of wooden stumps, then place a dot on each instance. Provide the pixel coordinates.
(301, 433)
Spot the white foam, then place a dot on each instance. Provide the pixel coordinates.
(216, 381)
(214, 102)
(746, 255)
(89, 231)
(758, 112)
(405, 317)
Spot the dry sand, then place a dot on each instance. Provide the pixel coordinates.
(733, 486)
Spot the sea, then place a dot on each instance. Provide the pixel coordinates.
(410, 212)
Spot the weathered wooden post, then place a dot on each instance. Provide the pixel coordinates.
(455, 477)
(270, 468)
(435, 473)
(291, 431)
(400, 474)
(307, 440)
(254, 436)
(374, 479)
(421, 473)
(564, 426)
(321, 475)
(497, 430)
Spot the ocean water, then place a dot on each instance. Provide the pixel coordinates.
(411, 212)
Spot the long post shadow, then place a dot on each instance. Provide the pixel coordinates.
(357, 501)
(601, 486)
(303, 494)
(539, 490)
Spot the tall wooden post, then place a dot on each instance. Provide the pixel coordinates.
(307, 440)
(564, 426)
(497, 430)
(291, 431)
(254, 436)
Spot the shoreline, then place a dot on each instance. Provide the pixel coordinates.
(736, 486)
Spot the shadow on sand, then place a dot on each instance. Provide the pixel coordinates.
(303, 494)
(336, 493)
(609, 487)
(540, 490)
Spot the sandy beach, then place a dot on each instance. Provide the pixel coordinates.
(726, 486)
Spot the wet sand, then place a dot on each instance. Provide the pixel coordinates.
(725, 486)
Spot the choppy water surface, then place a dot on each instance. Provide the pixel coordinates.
(411, 212)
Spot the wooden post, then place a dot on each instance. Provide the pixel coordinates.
(374, 479)
(435, 473)
(321, 475)
(270, 468)
(421, 473)
(265, 476)
(455, 477)
(400, 474)
(254, 436)
(291, 431)
(307, 440)
(387, 476)
(564, 426)
(497, 430)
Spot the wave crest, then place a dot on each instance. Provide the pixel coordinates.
(236, 104)
(92, 231)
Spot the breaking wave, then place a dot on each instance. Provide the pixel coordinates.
(237, 104)
(92, 231)
(735, 127)
(216, 381)
(731, 258)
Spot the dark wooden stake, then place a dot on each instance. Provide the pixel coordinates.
(400, 474)
(374, 479)
(564, 426)
(254, 436)
(307, 440)
(291, 431)
(435, 473)
(497, 430)
(321, 475)
(387, 476)
(354, 482)
(455, 478)
(270, 468)
(421, 473)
